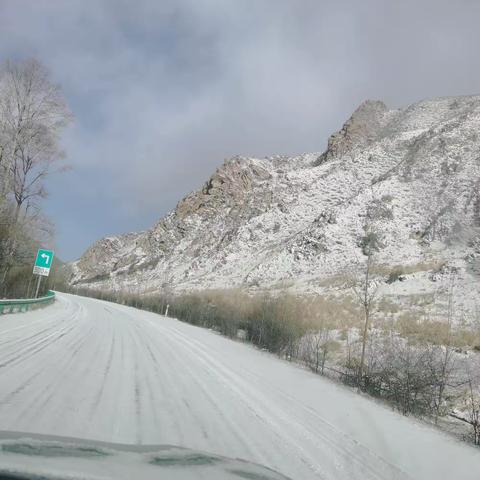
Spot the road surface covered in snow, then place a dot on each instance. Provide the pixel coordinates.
(91, 369)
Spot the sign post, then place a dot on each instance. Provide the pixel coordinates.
(42, 266)
(39, 279)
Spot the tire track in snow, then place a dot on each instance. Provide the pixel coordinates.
(61, 355)
(194, 387)
(100, 391)
(262, 413)
(33, 348)
(26, 321)
(340, 442)
(38, 400)
(23, 343)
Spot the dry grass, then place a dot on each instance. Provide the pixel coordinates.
(285, 317)
(338, 280)
(331, 312)
(386, 306)
(428, 266)
(283, 284)
(436, 332)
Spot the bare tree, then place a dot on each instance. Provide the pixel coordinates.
(365, 287)
(33, 113)
(318, 347)
(446, 364)
(470, 411)
(317, 342)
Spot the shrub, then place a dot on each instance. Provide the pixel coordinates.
(395, 275)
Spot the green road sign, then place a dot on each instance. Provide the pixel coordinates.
(43, 262)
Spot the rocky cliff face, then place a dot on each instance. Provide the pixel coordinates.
(410, 175)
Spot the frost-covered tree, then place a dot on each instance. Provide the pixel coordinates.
(365, 287)
(33, 113)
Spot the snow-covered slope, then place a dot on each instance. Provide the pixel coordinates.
(413, 175)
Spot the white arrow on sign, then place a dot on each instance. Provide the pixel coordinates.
(44, 255)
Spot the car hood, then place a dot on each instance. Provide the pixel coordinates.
(43, 457)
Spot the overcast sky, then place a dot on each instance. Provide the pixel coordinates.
(164, 91)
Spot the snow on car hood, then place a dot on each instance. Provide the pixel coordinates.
(26, 456)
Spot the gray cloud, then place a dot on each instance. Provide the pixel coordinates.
(163, 91)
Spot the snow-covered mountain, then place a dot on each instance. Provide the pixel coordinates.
(412, 175)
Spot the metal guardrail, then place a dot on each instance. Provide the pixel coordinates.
(23, 305)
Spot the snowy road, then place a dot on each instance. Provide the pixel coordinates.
(96, 370)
